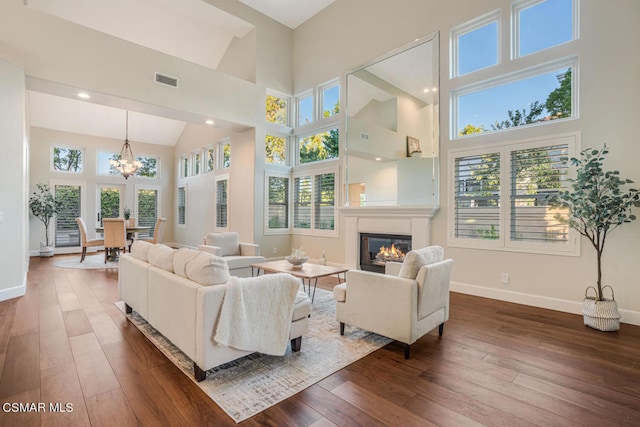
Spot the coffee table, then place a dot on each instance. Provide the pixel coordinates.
(309, 273)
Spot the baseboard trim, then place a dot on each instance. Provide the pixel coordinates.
(574, 307)
(16, 291)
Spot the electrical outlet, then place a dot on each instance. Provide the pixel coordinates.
(275, 251)
(504, 278)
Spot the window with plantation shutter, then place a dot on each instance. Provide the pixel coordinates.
(221, 203)
(66, 229)
(477, 196)
(500, 196)
(324, 218)
(278, 208)
(302, 200)
(147, 204)
(536, 175)
(182, 206)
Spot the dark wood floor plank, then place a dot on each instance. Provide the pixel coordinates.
(377, 406)
(22, 365)
(61, 388)
(94, 371)
(26, 316)
(110, 408)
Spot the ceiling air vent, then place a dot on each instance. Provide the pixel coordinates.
(166, 80)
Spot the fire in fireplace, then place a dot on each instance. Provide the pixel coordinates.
(377, 249)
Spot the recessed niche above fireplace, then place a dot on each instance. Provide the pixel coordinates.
(377, 249)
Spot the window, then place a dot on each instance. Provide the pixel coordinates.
(196, 163)
(510, 95)
(314, 202)
(330, 96)
(278, 203)
(182, 206)
(321, 146)
(210, 152)
(305, 109)
(184, 166)
(104, 167)
(110, 201)
(221, 203)
(476, 45)
(67, 160)
(276, 149)
(277, 110)
(66, 229)
(539, 25)
(500, 196)
(147, 206)
(224, 153)
(149, 168)
(537, 96)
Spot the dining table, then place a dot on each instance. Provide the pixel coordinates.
(130, 230)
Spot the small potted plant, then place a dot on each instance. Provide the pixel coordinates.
(44, 206)
(597, 205)
(126, 212)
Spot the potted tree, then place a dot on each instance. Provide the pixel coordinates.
(597, 205)
(44, 206)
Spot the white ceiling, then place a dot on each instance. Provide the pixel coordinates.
(291, 13)
(192, 30)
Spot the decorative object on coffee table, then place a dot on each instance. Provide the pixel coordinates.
(297, 258)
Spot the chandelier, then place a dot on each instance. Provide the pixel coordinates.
(126, 164)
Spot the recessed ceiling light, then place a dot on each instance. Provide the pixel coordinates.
(426, 89)
(435, 89)
(378, 159)
(84, 95)
(210, 122)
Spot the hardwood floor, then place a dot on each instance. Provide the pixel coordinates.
(498, 364)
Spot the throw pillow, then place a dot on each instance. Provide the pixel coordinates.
(419, 257)
(181, 258)
(140, 250)
(161, 256)
(207, 269)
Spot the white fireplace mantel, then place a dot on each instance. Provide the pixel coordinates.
(414, 220)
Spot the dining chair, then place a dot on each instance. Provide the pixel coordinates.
(157, 231)
(86, 243)
(115, 235)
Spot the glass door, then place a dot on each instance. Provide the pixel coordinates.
(66, 229)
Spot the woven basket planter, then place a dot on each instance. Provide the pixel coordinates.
(602, 315)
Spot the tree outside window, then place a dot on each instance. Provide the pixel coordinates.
(67, 159)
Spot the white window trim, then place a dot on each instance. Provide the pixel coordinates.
(302, 95)
(519, 6)
(277, 231)
(314, 169)
(288, 147)
(69, 147)
(504, 243)
(467, 27)
(98, 173)
(320, 98)
(215, 218)
(193, 162)
(570, 62)
(182, 174)
(186, 206)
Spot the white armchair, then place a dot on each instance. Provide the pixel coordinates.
(239, 256)
(404, 304)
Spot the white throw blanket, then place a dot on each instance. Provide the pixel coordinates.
(256, 313)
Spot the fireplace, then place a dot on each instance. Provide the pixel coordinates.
(377, 249)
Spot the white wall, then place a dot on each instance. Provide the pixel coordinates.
(40, 162)
(608, 94)
(13, 205)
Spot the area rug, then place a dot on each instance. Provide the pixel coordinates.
(249, 385)
(90, 262)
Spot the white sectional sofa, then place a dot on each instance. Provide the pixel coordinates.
(181, 292)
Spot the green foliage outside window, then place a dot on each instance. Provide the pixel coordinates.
(67, 159)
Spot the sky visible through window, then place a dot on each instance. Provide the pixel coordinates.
(542, 25)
